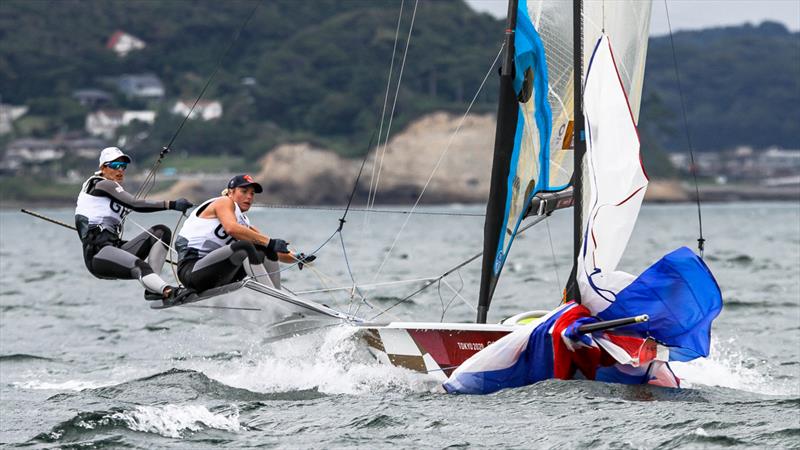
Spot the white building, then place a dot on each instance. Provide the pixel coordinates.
(205, 109)
(8, 114)
(147, 86)
(30, 151)
(105, 122)
(123, 43)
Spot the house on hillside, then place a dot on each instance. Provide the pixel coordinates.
(105, 122)
(8, 114)
(92, 98)
(43, 156)
(205, 109)
(146, 86)
(123, 43)
(29, 152)
(83, 147)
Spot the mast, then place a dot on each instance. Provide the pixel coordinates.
(579, 146)
(503, 148)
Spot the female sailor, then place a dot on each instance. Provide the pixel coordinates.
(217, 238)
(101, 209)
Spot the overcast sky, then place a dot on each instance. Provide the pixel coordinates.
(696, 14)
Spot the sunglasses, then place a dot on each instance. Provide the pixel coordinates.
(117, 165)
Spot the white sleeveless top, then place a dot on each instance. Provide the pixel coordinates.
(101, 211)
(205, 235)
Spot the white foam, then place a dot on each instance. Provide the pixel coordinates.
(726, 367)
(173, 420)
(332, 361)
(45, 380)
(68, 385)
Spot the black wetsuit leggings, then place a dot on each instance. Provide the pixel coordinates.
(222, 266)
(110, 258)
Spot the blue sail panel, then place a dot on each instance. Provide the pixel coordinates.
(530, 161)
(682, 299)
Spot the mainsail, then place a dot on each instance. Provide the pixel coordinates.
(521, 163)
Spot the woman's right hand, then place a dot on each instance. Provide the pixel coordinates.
(180, 204)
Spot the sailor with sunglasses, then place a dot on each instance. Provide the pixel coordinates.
(101, 209)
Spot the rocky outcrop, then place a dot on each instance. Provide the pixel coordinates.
(302, 174)
(666, 191)
(459, 163)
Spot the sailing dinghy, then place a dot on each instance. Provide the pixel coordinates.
(538, 142)
(548, 156)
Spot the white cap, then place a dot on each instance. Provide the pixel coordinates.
(112, 153)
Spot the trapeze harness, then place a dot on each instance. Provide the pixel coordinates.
(101, 208)
(208, 257)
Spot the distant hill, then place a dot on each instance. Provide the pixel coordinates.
(317, 71)
(741, 86)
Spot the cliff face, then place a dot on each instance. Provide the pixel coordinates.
(301, 174)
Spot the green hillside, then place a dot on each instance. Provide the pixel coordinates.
(741, 86)
(317, 71)
(319, 67)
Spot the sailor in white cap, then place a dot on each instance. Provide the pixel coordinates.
(101, 208)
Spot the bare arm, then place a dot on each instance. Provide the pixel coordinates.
(224, 210)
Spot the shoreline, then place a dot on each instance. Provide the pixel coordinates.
(716, 197)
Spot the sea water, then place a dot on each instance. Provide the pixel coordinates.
(86, 362)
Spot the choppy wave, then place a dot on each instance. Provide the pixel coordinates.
(17, 357)
(173, 421)
(731, 304)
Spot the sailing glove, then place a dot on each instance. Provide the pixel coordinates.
(573, 339)
(277, 246)
(180, 204)
(303, 259)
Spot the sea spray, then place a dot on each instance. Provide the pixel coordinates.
(332, 361)
(727, 366)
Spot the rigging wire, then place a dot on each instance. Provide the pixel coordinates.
(456, 294)
(386, 97)
(150, 179)
(394, 103)
(342, 221)
(533, 222)
(439, 162)
(553, 254)
(366, 285)
(692, 168)
(382, 211)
